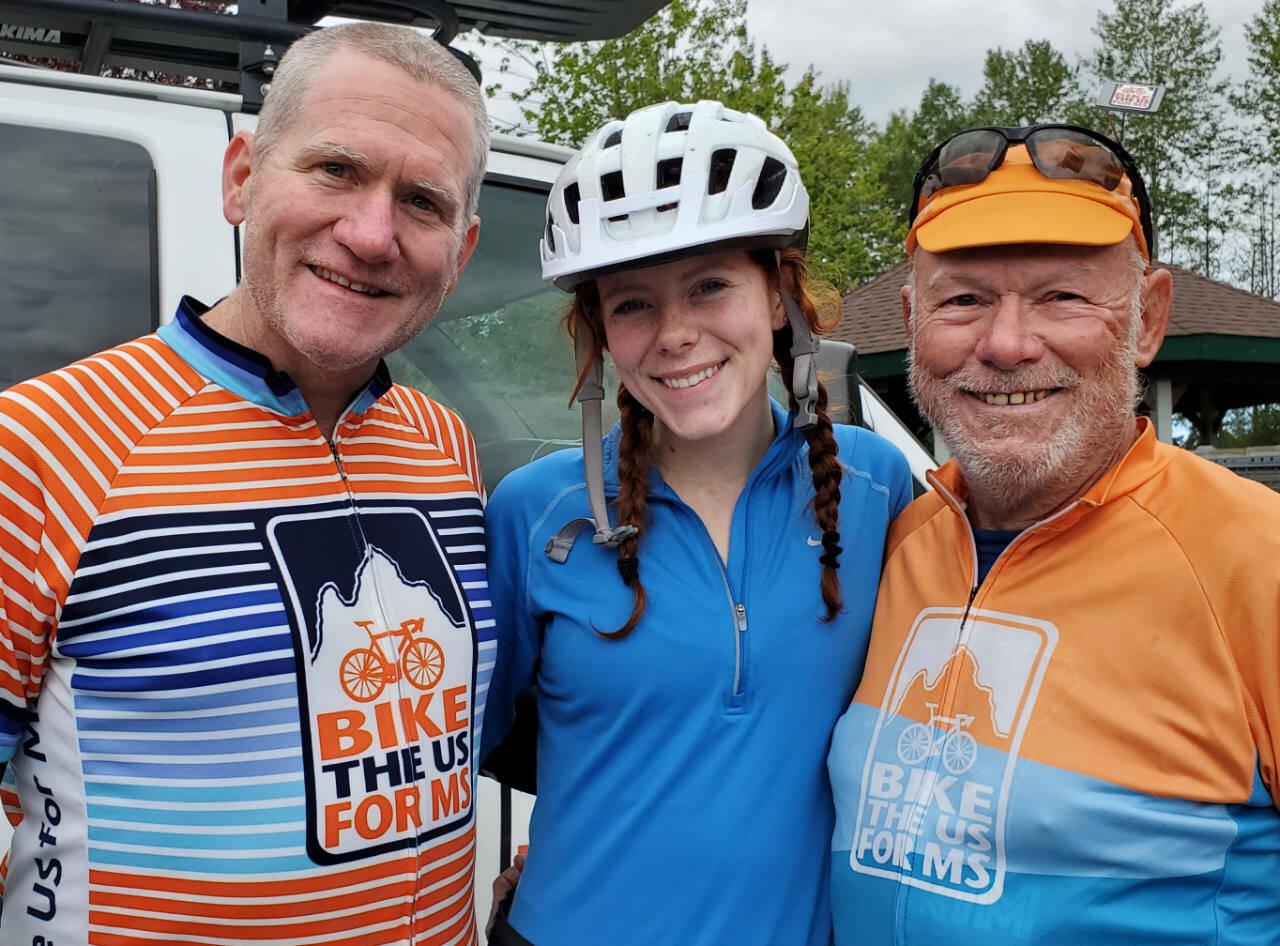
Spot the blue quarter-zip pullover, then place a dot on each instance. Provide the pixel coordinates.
(683, 796)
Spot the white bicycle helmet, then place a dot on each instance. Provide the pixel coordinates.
(668, 178)
(667, 181)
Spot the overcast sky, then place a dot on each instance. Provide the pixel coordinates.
(888, 49)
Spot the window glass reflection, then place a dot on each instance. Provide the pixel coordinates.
(76, 268)
(497, 353)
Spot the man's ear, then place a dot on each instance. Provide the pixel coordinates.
(906, 310)
(465, 250)
(1157, 303)
(237, 166)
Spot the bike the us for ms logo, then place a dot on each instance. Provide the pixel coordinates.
(936, 780)
(386, 677)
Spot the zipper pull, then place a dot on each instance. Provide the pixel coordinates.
(740, 616)
(342, 471)
(973, 593)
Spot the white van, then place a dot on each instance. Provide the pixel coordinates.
(111, 202)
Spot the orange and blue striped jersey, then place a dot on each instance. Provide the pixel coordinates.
(242, 667)
(1081, 748)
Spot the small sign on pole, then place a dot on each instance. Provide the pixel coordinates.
(1130, 97)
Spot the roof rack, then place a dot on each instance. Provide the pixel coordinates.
(238, 52)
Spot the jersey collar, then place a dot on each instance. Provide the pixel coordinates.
(246, 373)
(1143, 460)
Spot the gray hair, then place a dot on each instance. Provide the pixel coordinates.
(407, 49)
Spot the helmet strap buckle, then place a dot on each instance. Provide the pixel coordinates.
(804, 355)
(590, 395)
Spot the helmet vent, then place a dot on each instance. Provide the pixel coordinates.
(721, 169)
(572, 197)
(611, 186)
(551, 240)
(615, 138)
(769, 184)
(679, 121)
(669, 172)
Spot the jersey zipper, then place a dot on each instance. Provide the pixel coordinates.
(947, 704)
(363, 542)
(736, 698)
(740, 630)
(357, 529)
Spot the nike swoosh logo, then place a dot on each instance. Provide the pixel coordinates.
(812, 541)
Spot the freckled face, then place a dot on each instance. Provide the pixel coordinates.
(1024, 357)
(354, 220)
(692, 341)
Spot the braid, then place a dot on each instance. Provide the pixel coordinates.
(823, 458)
(633, 498)
(633, 455)
(827, 474)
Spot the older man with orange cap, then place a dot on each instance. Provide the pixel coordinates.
(1068, 728)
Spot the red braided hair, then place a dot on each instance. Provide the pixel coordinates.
(823, 452)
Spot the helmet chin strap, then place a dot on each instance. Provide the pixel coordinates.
(590, 395)
(804, 355)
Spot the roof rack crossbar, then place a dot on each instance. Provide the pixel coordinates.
(241, 26)
(238, 51)
(441, 12)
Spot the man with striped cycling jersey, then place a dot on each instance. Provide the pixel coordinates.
(245, 634)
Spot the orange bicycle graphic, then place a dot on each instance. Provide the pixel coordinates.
(366, 671)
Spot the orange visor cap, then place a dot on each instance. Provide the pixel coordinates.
(1015, 203)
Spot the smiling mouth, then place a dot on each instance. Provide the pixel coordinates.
(346, 283)
(1015, 397)
(690, 380)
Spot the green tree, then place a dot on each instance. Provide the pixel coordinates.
(1259, 99)
(908, 137)
(855, 229)
(1254, 426)
(1028, 85)
(1152, 42)
(692, 51)
(689, 51)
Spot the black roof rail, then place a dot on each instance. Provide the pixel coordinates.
(238, 51)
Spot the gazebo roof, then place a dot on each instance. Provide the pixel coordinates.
(1210, 321)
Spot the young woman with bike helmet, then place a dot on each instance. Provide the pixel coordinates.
(689, 662)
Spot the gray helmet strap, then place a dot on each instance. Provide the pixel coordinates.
(590, 396)
(804, 354)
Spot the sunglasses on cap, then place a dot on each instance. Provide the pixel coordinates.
(1061, 152)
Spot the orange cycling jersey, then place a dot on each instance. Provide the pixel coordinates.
(1083, 747)
(241, 667)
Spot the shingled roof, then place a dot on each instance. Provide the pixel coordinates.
(872, 313)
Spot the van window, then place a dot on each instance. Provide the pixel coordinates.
(496, 353)
(77, 262)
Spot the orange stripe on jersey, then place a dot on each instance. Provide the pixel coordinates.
(451, 435)
(396, 888)
(452, 933)
(206, 566)
(394, 935)
(301, 887)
